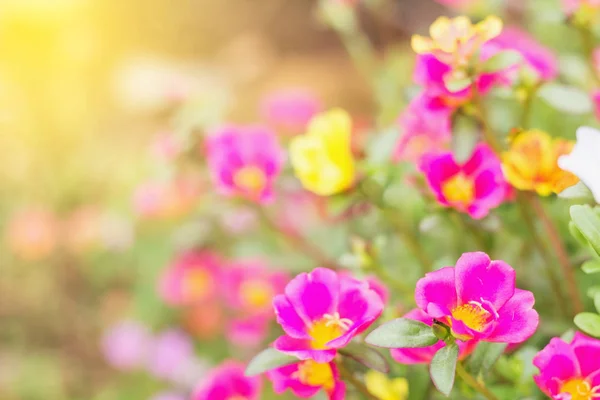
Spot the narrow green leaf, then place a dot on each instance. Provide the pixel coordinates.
(443, 368)
(588, 223)
(566, 98)
(589, 323)
(484, 357)
(502, 60)
(267, 360)
(402, 333)
(591, 267)
(367, 356)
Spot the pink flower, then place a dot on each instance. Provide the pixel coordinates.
(251, 286)
(474, 187)
(165, 199)
(539, 58)
(172, 352)
(596, 100)
(245, 161)
(32, 233)
(126, 345)
(228, 381)
(165, 147)
(424, 129)
(457, 3)
(290, 110)
(478, 300)
(248, 332)
(569, 371)
(374, 284)
(430, 73)
(191, 278)
(308, 377)
(321, 312)
(424, 355)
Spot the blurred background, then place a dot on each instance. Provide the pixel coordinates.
(95, 97)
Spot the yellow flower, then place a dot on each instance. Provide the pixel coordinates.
(384, 388)
(322, 158)
(531, 163)
(454, 41)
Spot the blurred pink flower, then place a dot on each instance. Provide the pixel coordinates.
(307, 378)
(205, 320)
(191, 278)
(170, 354)
(478, 300)
(248, 332)
(249, 286)
(321, 312)
(82, 229)
(239, 220)
(596, 101)
(32, 233)
(245, 161)
(290, 110)
(538, 57)
(424, 129)
(168, 199)
(424, 355)
(474, 187)
(126, 345)
(300, 210)
(458, 3)
(165, 147)
(227, 381)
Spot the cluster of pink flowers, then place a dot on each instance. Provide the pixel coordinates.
(204, 284)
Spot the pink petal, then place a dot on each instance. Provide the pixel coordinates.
(436, 294)
(557, 363)
(314, 294)
(302, 349)
(288, 318)
(478, 278)
(587, 351)
(517, 319)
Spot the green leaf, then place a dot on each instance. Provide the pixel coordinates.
(267, 360)
(589, 323)
(578, 192)
(502, 60)
(591, 267)
(381, 148)
(577, 234)
(402, 333)
(597, 302)
(588, 223)
(456, 85)
(443, 368)
(367, 356)
(484, 357)
(566, 98)
(465, 136)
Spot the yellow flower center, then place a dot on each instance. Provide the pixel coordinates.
(312, 373)
(250, 178)
(196, 283)
(328, 328)
(459, 190)
(256, 293)
(580, 389)
(472, 315)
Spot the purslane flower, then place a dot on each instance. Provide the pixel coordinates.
(569, 370)
(245, 161)
(424, 355)
(478, 300)
(306, 378)
(531, 163)
(474, 187)
(190, 278)
(290, 110)
(583, 161)
(227, 381)
(322, 158)
(321, 312)
(385, 388)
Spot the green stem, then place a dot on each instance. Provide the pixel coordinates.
(350, 378)
(474, 383)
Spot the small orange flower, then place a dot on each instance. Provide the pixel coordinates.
(531, 163)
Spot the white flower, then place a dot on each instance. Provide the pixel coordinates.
(584, 160)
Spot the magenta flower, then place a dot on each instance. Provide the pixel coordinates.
(126, 345)
(321, 312)
(245, 161)
(308, 377)
(424, 129)
(478, 300)
(290, 110)
(475, 187)
(191, 278)
(539, 58)
(596, 101)
(248, 332)
(569, 370)
(228, 381)
(250, 287)
(424, 355)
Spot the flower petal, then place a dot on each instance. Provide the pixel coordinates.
(587, 351)
(289, 319)
(314, 294)
(436, 293)
(302, 349)
(557, 363)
